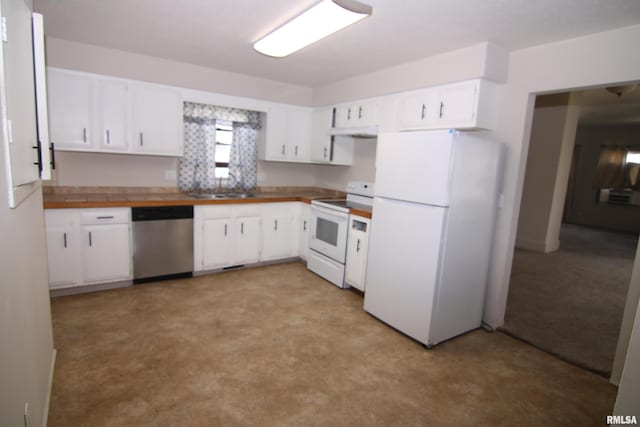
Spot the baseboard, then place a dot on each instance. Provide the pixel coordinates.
(47, 401)
(537, 245)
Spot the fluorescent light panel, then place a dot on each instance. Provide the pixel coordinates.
(323, 19)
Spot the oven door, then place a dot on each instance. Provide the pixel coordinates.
(329, 232)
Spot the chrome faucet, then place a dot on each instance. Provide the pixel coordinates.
(228, 186)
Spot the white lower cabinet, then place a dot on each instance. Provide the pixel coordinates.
(225, 236)
(88, 246)
(357, 247)
(64, 253)
(305, 216)
(247, 239)
(280, 230)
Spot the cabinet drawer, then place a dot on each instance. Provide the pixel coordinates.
(60, 217)
(105, 216)
(214, 212)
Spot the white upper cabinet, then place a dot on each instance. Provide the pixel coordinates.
(287, 135)
(71, 110)
(102, 114)
(157, 120)
(115, 127)
(320, 148)
(465, 105)
(363, 113)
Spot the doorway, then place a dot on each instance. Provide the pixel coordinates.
(574, 253)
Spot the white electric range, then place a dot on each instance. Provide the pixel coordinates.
(329, 227)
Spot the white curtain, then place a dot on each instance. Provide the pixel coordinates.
(196, 169)
(243, 168)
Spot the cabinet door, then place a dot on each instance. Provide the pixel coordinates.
(366, 113)
(247, 240)
(299, 135)
(457, 105)
(320, 142)
(217, 243)
(305, 215)
(63, 256)
(157, 120)
(276, 141)
(70, 105)
(277, 230)
(345, 116)
(107, 252)
(114, 115)
(357, 253)
(417, 111)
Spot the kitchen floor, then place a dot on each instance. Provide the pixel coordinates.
(277, 345)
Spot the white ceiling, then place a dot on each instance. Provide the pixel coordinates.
(219, 34)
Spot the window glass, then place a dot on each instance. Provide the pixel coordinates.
(224, 138)
(633, 157)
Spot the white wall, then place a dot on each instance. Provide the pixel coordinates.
(363, 168)
(118, 63)
(547, 171)
(78, 169)
(584, 62)
(483, 60)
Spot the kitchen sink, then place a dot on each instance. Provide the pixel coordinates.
(214, 196)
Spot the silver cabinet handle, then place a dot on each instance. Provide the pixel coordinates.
(242, 228)
(108, 137)
(283, 149)
(358, 246)
(225, 229)
(105, 217)
(424, 108)
(441, 108)
(275, 227)
(295, 151)
(64, 239)
(304, 226)
(141, 140)
(359, 112)
(90, 241)
(84, 135)
(348, 113)
(325, 153)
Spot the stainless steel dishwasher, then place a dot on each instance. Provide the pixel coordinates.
(162, 242)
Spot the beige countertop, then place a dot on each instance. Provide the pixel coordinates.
(102, 197)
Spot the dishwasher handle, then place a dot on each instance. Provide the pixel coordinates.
(157, 213)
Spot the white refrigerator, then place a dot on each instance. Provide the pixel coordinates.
(432, 226)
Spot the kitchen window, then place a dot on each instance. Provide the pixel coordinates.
(223, 140)
(220, 148)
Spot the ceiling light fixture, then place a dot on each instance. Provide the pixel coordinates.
(323, 19)
(621, 90)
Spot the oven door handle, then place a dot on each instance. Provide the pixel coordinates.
(326, 212)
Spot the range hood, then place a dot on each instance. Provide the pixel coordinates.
(358, 132)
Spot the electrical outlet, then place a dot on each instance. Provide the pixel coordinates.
(170, 175)
(27, 415)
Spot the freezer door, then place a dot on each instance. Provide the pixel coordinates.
(402, 268)
(415, 166)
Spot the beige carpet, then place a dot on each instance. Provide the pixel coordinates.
(278, 346)
(570, 302)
